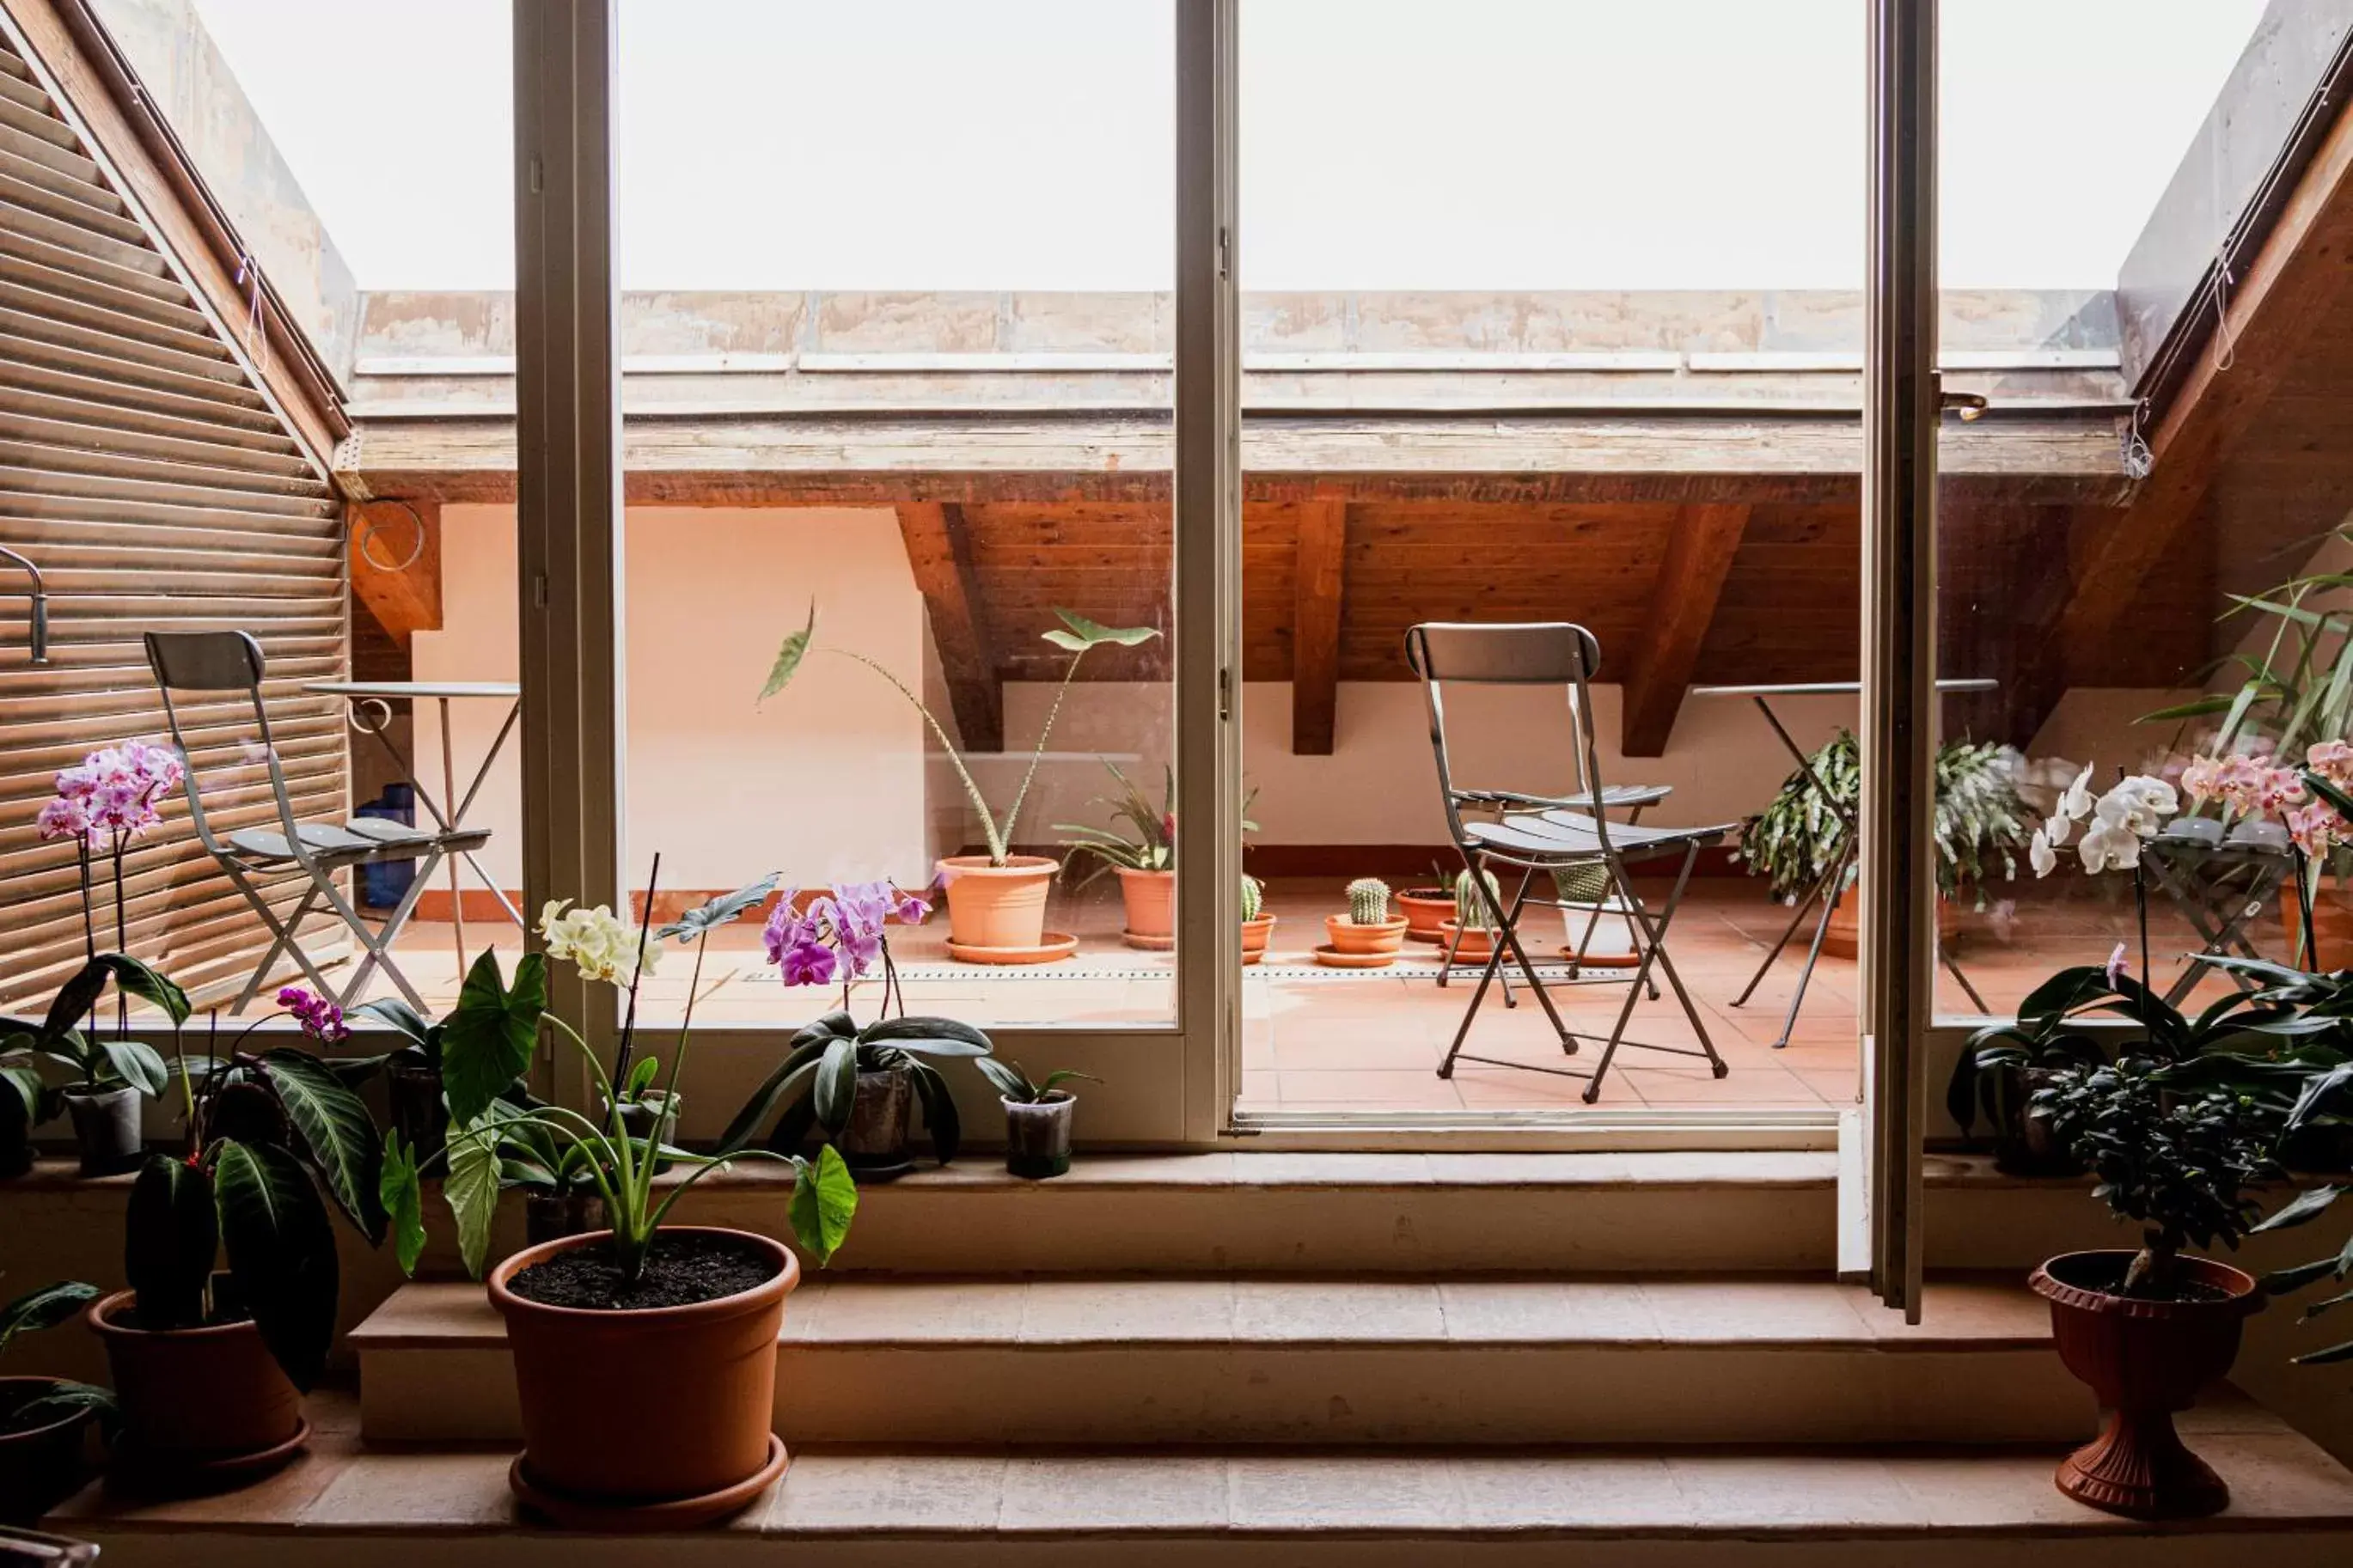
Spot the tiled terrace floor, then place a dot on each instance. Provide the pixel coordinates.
(1316, 1038)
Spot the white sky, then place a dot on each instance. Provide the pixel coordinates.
(1387, 143)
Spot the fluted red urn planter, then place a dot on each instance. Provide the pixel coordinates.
(2145, 1359)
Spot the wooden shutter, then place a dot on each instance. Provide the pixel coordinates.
(142, 468)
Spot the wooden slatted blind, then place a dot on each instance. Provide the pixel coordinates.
(144, 471)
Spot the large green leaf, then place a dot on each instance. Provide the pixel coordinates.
(783, 1080)
(170, 1236)
(929, 1038)
(138, 1064)
(23, 1086)
(824, 1201)
(2305, 1207)
(44, 1309)
(78, 994)
(487, 1043)
(1084, 634)
(719, 911)
(66, 1399)
(404, 1020)
(789, 656)
(400, 1190)
(338, 1135)
(837, 1084)
(281, 1253)
(940, 1117)
(471, 1189)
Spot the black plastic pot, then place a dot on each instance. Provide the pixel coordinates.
(1038, 1135)
(549, 1217)
(106, 1128)
(412, 1090)
(2023, 1142)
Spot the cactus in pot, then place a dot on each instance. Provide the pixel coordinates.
(1368, 902)
(1368, 936)
(1253, 899)
(1472, 933)
(1257, 926)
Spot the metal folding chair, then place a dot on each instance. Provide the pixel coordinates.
(216, 662)
(1556, 837)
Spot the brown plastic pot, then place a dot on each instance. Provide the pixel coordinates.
(1256, 935)
(1001, 907)
(192, 1397)
(1347, 937)
(552, 1216)
(640, 1409)
(39, 1466)
(1150, 901)
(2143, 1359)
(874, 1141)
(1425, 909)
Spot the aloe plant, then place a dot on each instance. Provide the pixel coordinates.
(1077, 637)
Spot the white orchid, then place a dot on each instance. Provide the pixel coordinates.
(2139, 803)
(593, 941)
(2076, 801)
(2116, 823)
(2109, 847)
(2041, 855)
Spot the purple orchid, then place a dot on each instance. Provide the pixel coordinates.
(796, 942)
(841, 935)
(321, 1019)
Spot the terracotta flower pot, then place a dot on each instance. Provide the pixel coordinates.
(644, 1407)
(2144, 1360)
(194, 1397)
(38, 1466)
(1150, 899)
(1038, 1135)
(1425, 909)
(2332, 929)
(1844, 939)
(997, 909)
(1255, 935)
(106, 1129)
(1477, 945)
(1347, 937)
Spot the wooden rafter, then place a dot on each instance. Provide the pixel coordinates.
(939, 549)
(1691, 577)
(395, 556)
(1317, 586)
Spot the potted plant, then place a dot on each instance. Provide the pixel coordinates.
(42, 1418)
(857, 1084)
(2325, 1101)
(2148, 1328)
(210, 1368)
(1368, 936)
(112, 1077)
(1471, 934)
(1599, 927)
(997, 901)
(1143, 854)
(1258, 925)
(1037, 1117)
(665, 1332)
(1427, 909)
(1980, 822)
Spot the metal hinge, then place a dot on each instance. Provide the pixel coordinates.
(1225, 253)
(1225, 695)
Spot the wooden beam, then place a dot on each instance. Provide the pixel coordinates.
(1317, 586)
(395, 556)
(939, 548)
(1682, 603)
(2298, 276)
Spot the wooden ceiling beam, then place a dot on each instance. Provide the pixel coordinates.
(395, 563)
(1318, 586)
(939, 549)
(1700, 549)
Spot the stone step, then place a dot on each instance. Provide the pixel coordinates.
(1059, 1359)
(350, 1505)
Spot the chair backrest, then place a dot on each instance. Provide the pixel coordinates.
(217, 662)
(1509, 653)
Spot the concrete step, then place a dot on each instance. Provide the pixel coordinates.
(350, 1505)
(1059, 1359)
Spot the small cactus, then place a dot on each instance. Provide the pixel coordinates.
(1368, 902)
(1253, 898)
(1471, 911)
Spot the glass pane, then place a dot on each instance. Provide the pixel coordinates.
(2078, 610)
(915, 380)
(1552, 312)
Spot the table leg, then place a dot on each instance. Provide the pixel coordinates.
(457, 891)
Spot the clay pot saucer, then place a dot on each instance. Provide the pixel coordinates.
(1331, 957)
(132, 1471)
(1058, 945)
(1148, 943)
(645, 1518)
(1601, 960)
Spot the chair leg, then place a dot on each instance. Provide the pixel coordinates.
(283, 934)
(1652, 942)
(379, 947)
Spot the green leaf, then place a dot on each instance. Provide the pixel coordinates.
(929, 1038)
(824, 1201)
(789, 656)
(400, 1191)
(26, 1084)
(1061, 1076)
(721, 910)
(138, 1064)
(2323, 1358)
(337, 1133)
(281, 1253)
(2305, 1207)
(640, 1078)
(77, 996)
(472, 1189)
(69, 1399)
(44, 1309)
(837, 1084)
(404, 1020)
(1084, 634)
(487, 1043)
(171, 1234)
(773, 1090)
(940, 1117)
(1008, 1078)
